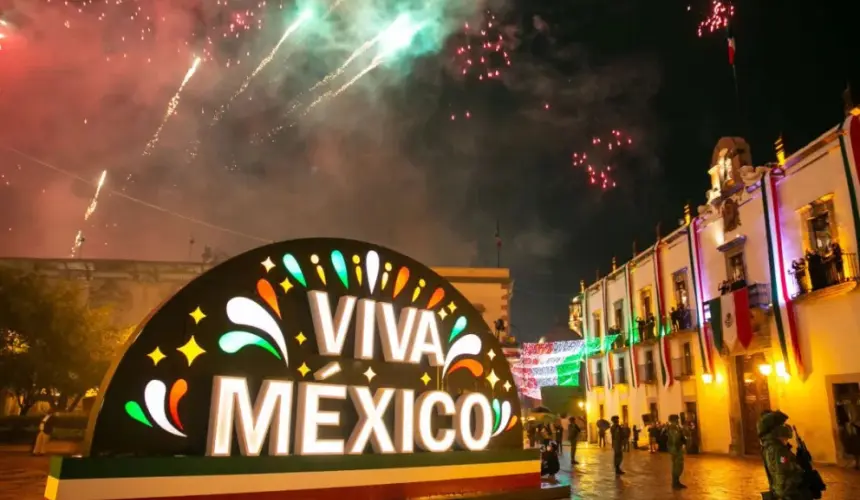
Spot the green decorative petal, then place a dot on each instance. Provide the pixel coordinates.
(458, 328)
(233, 342)
(497, 411)
(136, 412)
(339, 264)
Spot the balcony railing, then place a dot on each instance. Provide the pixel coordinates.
(816, 272)
(759, 297)
(598, 380)
(645, 331)
(682, 368)
(620, 376)
(647, 374)
(620, 343)
(680, 320)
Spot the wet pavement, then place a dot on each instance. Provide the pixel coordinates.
(648, 477)
(708, 477)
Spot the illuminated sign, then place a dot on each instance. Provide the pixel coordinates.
(310, 347)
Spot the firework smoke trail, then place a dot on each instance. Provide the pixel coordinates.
(171, 107)
(304, 16)
(95, 201)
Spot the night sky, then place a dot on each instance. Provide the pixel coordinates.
(384, 161)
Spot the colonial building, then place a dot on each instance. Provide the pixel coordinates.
(750, 305)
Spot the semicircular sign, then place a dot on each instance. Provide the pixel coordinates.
(309, 347)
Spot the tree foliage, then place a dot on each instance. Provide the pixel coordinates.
(53, 346)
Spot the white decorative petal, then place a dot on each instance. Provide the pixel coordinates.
(244, 311)
(466, 345)
(155, 397)
(372, 263)
(506, 417)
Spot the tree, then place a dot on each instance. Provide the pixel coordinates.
(53, 346)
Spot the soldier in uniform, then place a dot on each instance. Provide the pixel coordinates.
(784, 473)
(675, 444)
(617, 442)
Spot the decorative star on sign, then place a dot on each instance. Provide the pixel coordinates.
(452, 307)
(268, 264)
(300, 338)
(442, 313)
(492, 378)
(198, 315)
(369, 373)
(491, 355)
(191, 350)
(507, 386)
(156, 356)
(304, 369)
(286, 285)
(426, 378)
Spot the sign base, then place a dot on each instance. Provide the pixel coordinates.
(358, 477)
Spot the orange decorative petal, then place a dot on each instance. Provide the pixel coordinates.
(400, 282)
(470, 364)
(512, 424)
(437, 297)
(177, 392)
(267, 293)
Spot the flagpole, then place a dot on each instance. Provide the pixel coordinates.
(730, 39)
(498, 245)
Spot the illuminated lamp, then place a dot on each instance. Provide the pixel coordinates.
(765, 369)
(581, 405)
(707, 378)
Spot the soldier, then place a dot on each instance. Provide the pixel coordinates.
(784, 473)
(617, 442)
(675, 444)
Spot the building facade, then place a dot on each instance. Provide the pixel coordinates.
(750, 305)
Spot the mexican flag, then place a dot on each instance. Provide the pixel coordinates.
(730, 320)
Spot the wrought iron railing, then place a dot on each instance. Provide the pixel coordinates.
(759, 296)
(682, 368)
(620, 376)
(679, 320)
(815, 272)
(647, 374)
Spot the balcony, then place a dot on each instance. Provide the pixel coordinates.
(647, 374)
(645, 331)
(680, 320)
(836, 273)
(620, 376)
(682, 368)
(621, 343)
(759, 295)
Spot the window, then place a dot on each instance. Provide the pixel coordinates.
(645, 302)
(655, 415)
(820, 224)
(619, 314)
(601, 412)
(625, 415)
(679, 284)
(735, 267)
(688, 359)
(650, 374)
(621, 371)
(597, 332)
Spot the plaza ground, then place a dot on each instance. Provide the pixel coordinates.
(709, 477)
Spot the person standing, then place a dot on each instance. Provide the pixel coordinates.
(46, 427)
(573, 431)
(601, 437)
(635, 437)
(675, 444)
(785, 475)
(617, 434)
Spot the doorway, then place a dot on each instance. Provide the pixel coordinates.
(847, 400)
(754, 396)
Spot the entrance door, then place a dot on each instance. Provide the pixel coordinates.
(755, 398)
(847, 399)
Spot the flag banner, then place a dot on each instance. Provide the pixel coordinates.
(631, 347)
(783, 308)
(731, 41)
(731, 321)
(662, 340)
(610, 376)
(698, 295)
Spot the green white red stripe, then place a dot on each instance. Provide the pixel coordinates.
(698, 294)
(363, 477)
(589, 383)
(610, 372)
(783, 309)
(628, 299)
(662, 340)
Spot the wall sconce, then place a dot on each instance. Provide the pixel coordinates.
(707, 378)
(765, 369)
(781, 371)
(581, 405)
